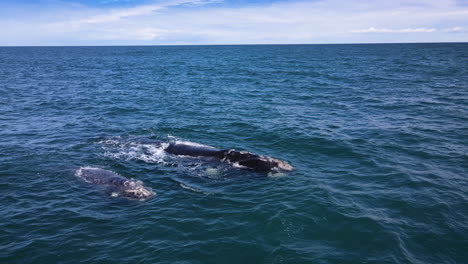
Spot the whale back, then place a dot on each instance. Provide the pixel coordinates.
(99, 176)
(194, 150)
(126, 187)
(242, 158)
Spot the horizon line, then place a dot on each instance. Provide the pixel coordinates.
(247, 44)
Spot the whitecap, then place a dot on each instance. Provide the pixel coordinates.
(147, 152)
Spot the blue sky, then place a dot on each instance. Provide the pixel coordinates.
(172, 22)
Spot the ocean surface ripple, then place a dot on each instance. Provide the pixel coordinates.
(378, 136)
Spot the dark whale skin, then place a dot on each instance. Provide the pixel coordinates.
(194, 150)
(243, 159)
(128, 188)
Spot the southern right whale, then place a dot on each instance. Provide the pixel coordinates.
(243, 159)
(118, 184)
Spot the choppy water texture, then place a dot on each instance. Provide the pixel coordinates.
(377, 135)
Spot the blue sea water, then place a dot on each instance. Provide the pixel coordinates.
(377, 134)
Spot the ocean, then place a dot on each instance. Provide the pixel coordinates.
(377, 135)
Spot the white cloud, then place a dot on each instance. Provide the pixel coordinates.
(198, 22)
(118, 14)
(456, 30)
(388, 30)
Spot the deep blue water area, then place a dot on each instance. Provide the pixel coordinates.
(377, 134)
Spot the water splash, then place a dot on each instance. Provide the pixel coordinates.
(128, 150)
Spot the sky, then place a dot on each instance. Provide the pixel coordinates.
(199, 22)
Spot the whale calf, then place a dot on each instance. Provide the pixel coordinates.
(128, 188)
(242, 159)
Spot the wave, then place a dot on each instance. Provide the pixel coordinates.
(193, 189)
(134, 150)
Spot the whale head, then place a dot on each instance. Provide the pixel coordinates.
(256, 162)
(136, 190)
(280, 165)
